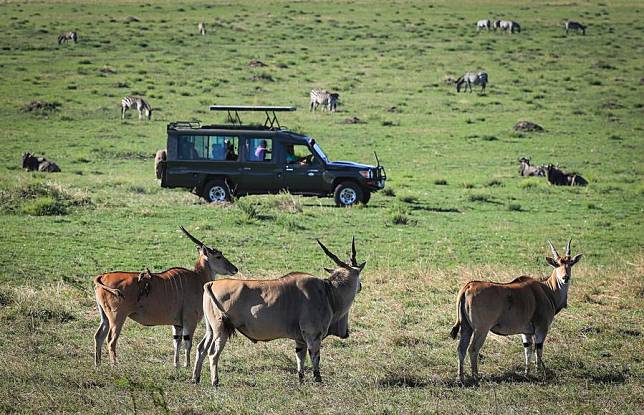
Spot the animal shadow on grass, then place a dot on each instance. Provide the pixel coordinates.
(393, 380)
(415, 205)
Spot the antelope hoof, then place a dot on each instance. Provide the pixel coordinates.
(317, 377)
(195, 380)
(300, 375)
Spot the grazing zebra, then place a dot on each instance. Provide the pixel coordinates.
(507, 25)
(130, 102)
(202, 28)
(572, 25)
(483, 24)
(328, 100)
(470, 78)
(65, 36)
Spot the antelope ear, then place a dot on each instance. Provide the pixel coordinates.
(552, 262)
(361, 266)
(329, 270)
(575, 259)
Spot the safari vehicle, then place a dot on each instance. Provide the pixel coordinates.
(221, 162)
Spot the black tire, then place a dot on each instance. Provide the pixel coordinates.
(347, 194)
(366, 197)
(216, 191)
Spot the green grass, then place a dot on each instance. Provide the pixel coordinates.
(457, 209)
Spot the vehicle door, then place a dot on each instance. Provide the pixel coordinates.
(302, 169)
(259, 171)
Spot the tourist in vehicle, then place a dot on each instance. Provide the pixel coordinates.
(261, 150)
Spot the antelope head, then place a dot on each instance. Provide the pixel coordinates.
(351, 269)
(215, 261)
(562, 265)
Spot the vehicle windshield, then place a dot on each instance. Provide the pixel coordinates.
(320, 153)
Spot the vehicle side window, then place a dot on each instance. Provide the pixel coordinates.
(259, 149)
(223, 148)
(298, 154)
(192, 147)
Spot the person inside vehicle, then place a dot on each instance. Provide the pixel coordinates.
(291, 158)
(230, 150)
(218, 151)
(261, 150)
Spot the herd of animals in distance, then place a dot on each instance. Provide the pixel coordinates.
(305, 308)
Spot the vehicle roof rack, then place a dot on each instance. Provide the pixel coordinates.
(185, 124)
(271, 118)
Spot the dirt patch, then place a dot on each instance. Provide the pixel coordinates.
(353, 120)
(256, 63)
(41, 107)
(527, 126)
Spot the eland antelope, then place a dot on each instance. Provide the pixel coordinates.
(524, 306)
(297, 306)
(172, 297)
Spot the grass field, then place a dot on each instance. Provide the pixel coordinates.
(457, 209)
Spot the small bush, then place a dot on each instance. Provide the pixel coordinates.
(494, 183)
(399, 215)
(408, 199)
(440, 182)
(249, 209)
(479, 198)
(286, 202)
(514, 207)
(44, 206)
(388, 191)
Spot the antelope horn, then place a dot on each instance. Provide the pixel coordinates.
(331, 255)
(568, 247)
(353, 251)
(554, 251)
(192, 238)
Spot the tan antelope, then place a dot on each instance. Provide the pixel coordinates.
(172, 297)
(297, 306)
(524, 306)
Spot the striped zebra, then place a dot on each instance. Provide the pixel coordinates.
(483, 24)
(572, 25)
(65, 36)
(130, 102)
(202, 28)
(328, 100)
(470, 78)
(507, 26)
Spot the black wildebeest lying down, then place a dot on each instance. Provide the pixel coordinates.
(31, 162)
(526, 169)
(561, 178)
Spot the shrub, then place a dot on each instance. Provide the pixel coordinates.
(249, 209)
(44, 206)
(286, 202)
(440, 182)
(388, 191)
(514, 207)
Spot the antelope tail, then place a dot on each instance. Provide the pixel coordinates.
(459, 302)
(115, 291)
(225, 318)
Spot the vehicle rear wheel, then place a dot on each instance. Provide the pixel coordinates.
(347, 194)
(217, 191)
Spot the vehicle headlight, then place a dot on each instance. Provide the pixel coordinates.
(367, 174)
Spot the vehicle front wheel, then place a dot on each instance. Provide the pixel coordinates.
(216, 191)
(347, 194)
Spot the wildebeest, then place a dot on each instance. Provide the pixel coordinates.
(572, 25)
(65, 36)
(524, 306)
(558, 177)
(507, 26)
(483, 24)
(202, 28)
(159, 159)
(469, 78)
(31, 162)
(328, 100)
(172, 297)
(526, 169)
(297, 306)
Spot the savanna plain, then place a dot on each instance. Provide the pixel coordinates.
(455, 208)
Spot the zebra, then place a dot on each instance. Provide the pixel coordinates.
(202, 28)
(130, 102)
(328, 100)
(483, 24)
(65, 36)
(507, 25)
(470, 78)
(572, 25)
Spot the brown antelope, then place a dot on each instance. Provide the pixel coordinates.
(172, 297)
(297, 306)
(524, 306)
